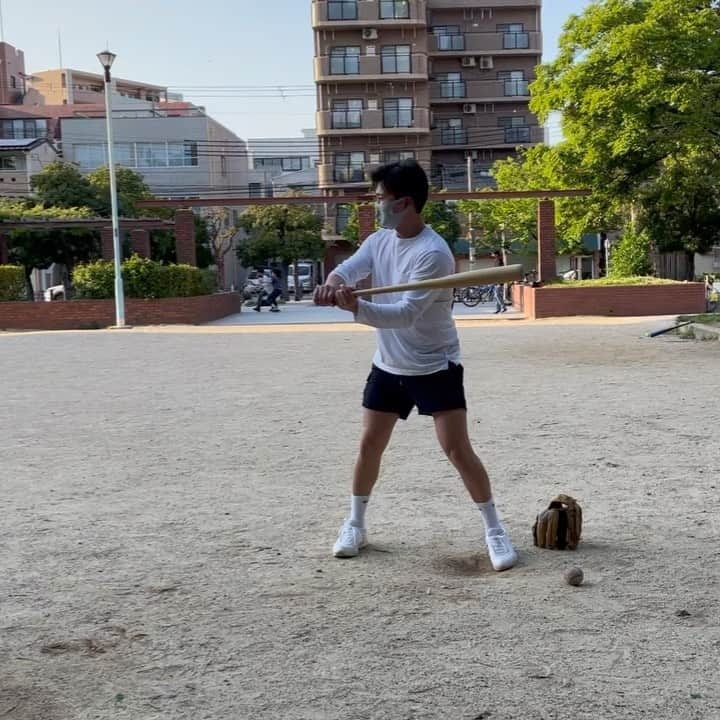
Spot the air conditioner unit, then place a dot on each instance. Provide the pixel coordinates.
(471, 155)
(375, 158)
(370, 34)
(372, 104)
(469, 108)
(469, 62)
(487, 62)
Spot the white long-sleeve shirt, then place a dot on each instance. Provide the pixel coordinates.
(416, 333)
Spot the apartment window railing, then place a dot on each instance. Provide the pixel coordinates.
(342, 10)
(453, 89)
(450, 42)
(394, 9)
(516, 88)
(453, 136)
(517, 135)
(346, 119)
(516, 41)
(349, 173)
(345, 61)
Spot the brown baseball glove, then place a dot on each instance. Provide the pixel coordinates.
(559, 527)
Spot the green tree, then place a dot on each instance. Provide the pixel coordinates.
(631, 255)
(61, 184)
(637, 83)
(352, 230)
(442, 218)
(131, 188)
(42, 248)
(285, 233)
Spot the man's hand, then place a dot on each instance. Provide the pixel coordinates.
(324, 295)
(345, 299)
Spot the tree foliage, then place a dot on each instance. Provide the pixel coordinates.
(62, 185)
(638, 85)
(131, 188)
(286, 233)
(442, 218)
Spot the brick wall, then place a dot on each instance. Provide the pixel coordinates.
(366, 221)
(87, 314)
(619, 300)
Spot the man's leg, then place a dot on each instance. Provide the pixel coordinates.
(377, 430)
(452, 432)
(376, 434)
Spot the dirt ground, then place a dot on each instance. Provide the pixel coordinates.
(169, 501)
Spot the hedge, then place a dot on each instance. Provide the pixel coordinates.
(12, 283)
(142, 278)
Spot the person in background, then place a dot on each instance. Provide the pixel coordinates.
(271, 292)
(498, 290)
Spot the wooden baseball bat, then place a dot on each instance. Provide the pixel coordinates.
(487, 276)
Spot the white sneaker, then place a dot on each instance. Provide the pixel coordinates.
(502, 553)
(350, 541)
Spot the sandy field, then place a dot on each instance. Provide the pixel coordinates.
(169, 501)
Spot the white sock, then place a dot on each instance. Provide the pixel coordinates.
(358, 505)
(489, 514)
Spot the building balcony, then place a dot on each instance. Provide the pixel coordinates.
(471, 138)
(473, 4)
(332, 14)
(364, 68)
(502, 43)
(372, 122)
(479, 91)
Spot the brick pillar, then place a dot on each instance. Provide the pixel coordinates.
(106, 236)
(547, 269)
(366, 221)
(3, 250)
(140, 243)
(185, 237)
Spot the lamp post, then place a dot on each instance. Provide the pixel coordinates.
(106, 59)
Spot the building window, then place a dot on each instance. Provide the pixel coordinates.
(449, 37)
(90, 155)
(255, 190)
(349, 167)
(453, 133)
(268, 164)
(514, 82)
(390, 156)
(347, 114)
(8, 162)
(291, 164)
(394, 9)
(452, 85)
(223, 166)
(23, 129)
(124, 154)
(345, 61)
(342, 10)
(396, 59)
(342, 220)
(13, 82)
(514, 36)
(398, 113)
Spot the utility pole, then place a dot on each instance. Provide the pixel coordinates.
(471, 238)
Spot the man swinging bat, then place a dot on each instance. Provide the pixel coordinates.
(417, 363)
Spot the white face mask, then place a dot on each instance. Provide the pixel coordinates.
(387, 217)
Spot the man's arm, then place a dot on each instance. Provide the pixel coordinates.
(404, 313)
(348, 273)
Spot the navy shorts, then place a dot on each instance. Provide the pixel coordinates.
(399, 394)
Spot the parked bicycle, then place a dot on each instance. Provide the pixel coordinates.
(473, 295)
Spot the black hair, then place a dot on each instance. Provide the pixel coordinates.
(277, 272)
(404, 179)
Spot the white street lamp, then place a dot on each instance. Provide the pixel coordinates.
(106, 59)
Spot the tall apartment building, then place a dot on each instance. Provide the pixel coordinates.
(442, 81)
